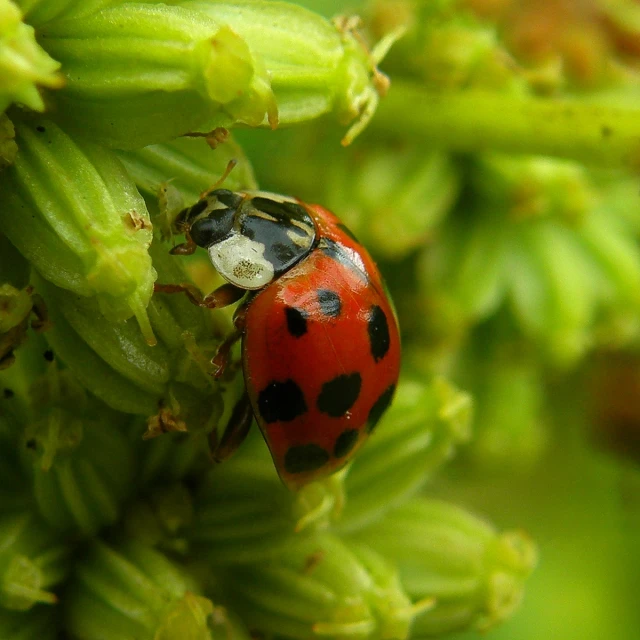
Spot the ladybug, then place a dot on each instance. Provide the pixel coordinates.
(320, 341)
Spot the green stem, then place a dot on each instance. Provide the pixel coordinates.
(475, 121)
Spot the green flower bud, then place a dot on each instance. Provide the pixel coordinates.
(168, 383)
(418, 434)
(321, 587)
(609, 234)
(160, 518)
(24, 65)
(244, 514)
(572, 250)
(189, 165)
(173, 456)
(534, 187)
(227, 624)
(391, 199)
(140, 73)
(15, 382)
(15, 306)
(171, 383)
(464, 273)
(82, 464)
(15, 486)
(552, 289)
(15, 309)
(38, 12)
(611, 243)
(457, 56)
(72, 211)
(40, 622)
(97, 375)
(32, 559)
(111, 359)
(475, 575)
(547, 240)
(510, 432)
(14, 269)
(446, 47)
(19, 307)
(315, 66)
(133, 591)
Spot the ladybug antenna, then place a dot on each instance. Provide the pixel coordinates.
(225, 174)
(230, 166)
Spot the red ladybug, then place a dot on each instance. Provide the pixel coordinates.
(320, 342)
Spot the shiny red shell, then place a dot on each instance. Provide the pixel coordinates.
(321, 355)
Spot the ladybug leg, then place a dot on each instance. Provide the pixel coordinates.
(185, 248)
(223, 296)
(41, 322)
(223, 355)
(225, 174)
(235, 432)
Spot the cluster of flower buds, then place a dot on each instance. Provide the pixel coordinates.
(131, 590)
(544, 239)
(71, 210)
(473, 574)
(140, 73)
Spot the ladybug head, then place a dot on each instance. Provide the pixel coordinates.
(252, 237)
(214, 217)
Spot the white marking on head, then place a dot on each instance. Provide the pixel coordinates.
(241, 261)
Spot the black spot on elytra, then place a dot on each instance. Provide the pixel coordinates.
(339, 395)
(48, 355)
(296, 321)
(8, 393)
(305, 457)
(281, 401)
(378, 328)
(345, 442)
(379, 407)
(40, 129)
(329, 302)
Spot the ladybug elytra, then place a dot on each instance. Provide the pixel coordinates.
(320, 342)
